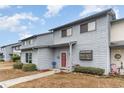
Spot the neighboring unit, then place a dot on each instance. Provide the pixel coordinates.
(8, 50)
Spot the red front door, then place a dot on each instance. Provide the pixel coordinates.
(63, 59)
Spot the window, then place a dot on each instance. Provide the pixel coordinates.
(91, 26)
(66, 32)
(86, 55)
(30, 42)
(2, 49)
(69, 32)
(83, 28)
(24, 43)
(28, 57)
(16, 48)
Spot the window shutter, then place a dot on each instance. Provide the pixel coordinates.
(26, 57)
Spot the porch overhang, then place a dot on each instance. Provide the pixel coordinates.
(62, 44)
(117, 44)
(50, 46)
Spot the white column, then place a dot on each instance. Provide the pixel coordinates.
(70, 55)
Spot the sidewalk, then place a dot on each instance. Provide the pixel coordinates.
(12, 82)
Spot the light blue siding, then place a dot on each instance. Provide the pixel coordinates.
(45, 58)
(98, 41)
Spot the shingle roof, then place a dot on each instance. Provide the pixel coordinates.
(117, 20)
(84, 19)
(36, 36)
(10, 45)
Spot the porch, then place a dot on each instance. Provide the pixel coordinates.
(62, 55)
(117, 57)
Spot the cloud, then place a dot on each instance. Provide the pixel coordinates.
(19, 7)
(24, 34)
(18, 23)
(53, 10)
(91, 9)
(4, 6)
(14, 22)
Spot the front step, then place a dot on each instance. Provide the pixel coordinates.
(62, 70)
(57, 70)
(65, 70)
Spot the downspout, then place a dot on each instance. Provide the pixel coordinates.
(109, 41)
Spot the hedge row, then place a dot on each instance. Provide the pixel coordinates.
(17, 65)
(29, 67)
(25, 67)
(89, 70)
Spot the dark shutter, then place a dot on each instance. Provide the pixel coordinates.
(64, 33)
(26, 57)
(30, 57)
(83, 28)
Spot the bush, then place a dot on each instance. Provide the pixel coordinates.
(1, 60)
(29, 67)
(89, 70)
(15, 58)
(18, 65)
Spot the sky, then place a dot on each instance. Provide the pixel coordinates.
(18, 22)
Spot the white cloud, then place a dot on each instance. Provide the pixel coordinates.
(24, 34)
(90, 9)
(17, 23)
(19, 6)
(4, 6)
(14, 22)
(42, 21)
(53, 10)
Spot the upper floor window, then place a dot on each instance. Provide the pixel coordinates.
(66, 32)
(28, 42)
(16, 48)
(24, 42)
(91, 26)
(2, 49)
(83, 28)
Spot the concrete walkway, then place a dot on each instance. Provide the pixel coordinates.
(12, 82)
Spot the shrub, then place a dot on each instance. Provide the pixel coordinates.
(1, 60)
(89, 70)
(15, 58)
(18, 65)
(29, 67)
